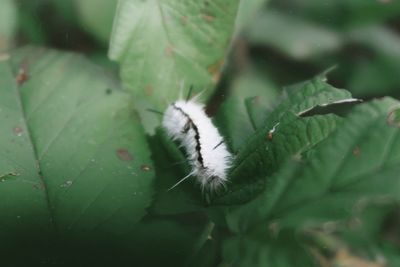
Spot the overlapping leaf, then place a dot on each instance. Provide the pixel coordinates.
(283, 134)
(23, 202)
(73, 147)
(358, 162)
(162, 45)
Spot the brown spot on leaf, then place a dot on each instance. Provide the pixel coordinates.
(22, 75)
(18, 131)
(184, 20)
(208, 18)
(124, 154)
(270, 135)
(145, 168)
(215, 70)
(169, 51)
(148, 90)
(393, 118)
(356, 151)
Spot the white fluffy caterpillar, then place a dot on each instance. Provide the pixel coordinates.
(186, 122)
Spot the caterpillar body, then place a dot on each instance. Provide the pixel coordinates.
(186, 122)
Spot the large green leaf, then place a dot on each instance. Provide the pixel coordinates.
(282, 135)
(23, 202)
(75, 155)
(358, 162)
(162, 44)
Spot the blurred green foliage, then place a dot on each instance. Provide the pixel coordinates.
(8, 23)
(84, 170)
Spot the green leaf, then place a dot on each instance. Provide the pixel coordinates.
(284, 134)
(8, 23)
(87, 164)
(236, 118)
(151, 242)
(66, 10)
(376, 73)
(264, 250)
(206, 256)
(171, 166)
(97, 17)
(242, 218)
(391, 254)
(23, 202)
(360, 161)
(205, 248)
(162, 44)
(164, 242)
(297, 38)
(246, 12)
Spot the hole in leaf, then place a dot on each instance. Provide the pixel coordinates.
(8, 176)
(340, 108)
(145, 168)
(22, 75)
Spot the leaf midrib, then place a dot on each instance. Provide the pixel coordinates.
(20, 106)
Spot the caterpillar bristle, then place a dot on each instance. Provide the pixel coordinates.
(185, 121)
